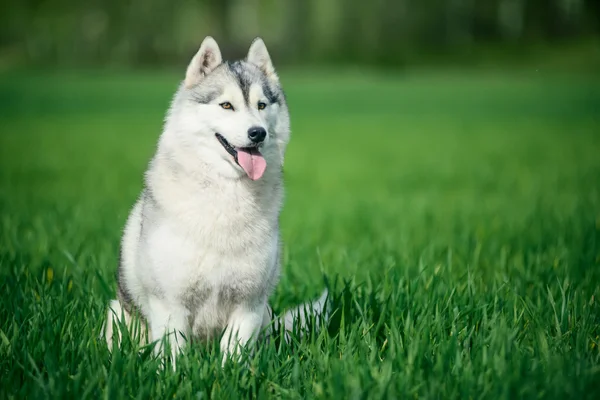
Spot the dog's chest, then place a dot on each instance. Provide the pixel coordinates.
(208, 255)
(216, 263)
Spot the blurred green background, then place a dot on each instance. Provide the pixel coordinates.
(391, 33)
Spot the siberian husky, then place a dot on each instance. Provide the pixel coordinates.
(200, 253)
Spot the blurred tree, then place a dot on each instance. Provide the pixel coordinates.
(592, 11)
(394, 32)
(220, 13)
(384, 32)
(298, 22)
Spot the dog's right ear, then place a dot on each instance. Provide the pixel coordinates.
(204, 62)
(259, 56)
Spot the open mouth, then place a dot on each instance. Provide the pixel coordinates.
(248, 158)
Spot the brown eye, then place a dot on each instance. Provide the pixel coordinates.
(261, 105)
(227, 105)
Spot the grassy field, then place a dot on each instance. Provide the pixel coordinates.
(456, 218)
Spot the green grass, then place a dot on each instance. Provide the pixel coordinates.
(456, 217)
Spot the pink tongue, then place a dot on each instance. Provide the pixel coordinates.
(252, 162)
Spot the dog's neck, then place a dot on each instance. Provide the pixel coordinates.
(178, 189)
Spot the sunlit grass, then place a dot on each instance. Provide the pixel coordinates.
(456, 219)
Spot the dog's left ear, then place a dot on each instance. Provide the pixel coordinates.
(204, 62)
(259, 56)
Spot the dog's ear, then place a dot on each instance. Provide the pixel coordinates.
(259, 56)
(204, 62)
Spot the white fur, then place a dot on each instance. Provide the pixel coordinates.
(200, 251)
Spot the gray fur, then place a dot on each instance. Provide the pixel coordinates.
(196, 295)
(205, 96)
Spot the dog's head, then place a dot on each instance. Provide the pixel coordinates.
(230, 116)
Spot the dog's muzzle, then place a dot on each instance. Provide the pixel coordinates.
(229, 148)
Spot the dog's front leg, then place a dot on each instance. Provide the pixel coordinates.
(242, 329)
(169, 322)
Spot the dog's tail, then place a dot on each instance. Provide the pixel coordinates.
(301, 318)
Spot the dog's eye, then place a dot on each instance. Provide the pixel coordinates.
(261, 105)
(227, 106)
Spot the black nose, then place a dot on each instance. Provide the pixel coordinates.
(257, 134)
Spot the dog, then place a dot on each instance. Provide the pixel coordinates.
(200, 254)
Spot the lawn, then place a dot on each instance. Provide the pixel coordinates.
(455, 217)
